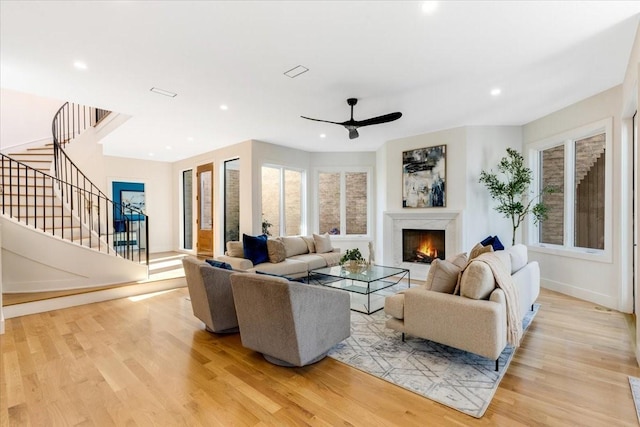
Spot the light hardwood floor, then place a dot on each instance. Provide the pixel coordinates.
(148, 361)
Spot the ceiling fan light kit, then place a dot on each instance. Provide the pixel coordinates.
(353, 125)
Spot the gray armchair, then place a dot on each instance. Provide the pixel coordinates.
(290, 323)
(211, 296)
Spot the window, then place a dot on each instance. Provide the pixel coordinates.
(282, 201)
(231, 200)
(344, 202)
(187, 209)
(577, 166)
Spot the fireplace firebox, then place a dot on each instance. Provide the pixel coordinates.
(422, 246)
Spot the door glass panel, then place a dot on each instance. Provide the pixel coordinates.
(206, 214)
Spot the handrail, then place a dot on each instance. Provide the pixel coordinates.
(68, 123)
(88, 226)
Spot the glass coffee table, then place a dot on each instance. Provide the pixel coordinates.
(370, 282)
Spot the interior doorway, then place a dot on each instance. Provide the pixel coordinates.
(204, 177)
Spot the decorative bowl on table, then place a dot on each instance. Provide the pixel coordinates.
(355, 266)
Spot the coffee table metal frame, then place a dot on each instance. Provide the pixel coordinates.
(373, 279)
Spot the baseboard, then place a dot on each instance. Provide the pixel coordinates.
(580, 293)
(89, 297)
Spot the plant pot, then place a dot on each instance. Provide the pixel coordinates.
(355, 266)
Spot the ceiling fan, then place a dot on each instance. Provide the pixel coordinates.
(353, 125)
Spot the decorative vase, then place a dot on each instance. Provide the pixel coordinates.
(353, 266)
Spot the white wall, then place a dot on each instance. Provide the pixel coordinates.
(25, 118)
(156, 177)
(469, 150)
(241, 151)
(486, 146)
(630, 97)
(252, 155)
(599, 282)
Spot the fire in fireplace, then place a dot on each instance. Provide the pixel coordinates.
(422, 246)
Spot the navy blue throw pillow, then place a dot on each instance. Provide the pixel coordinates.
(255, 248)
(493, 241)
(219, 264)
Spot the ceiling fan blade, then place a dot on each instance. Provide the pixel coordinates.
(353, 133)
(378, 120)
(318, 120)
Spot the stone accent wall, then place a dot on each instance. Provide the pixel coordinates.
(356, 199)
(589, 203)
(232, 205)
(271, 200)
(552, 229)
(589, 193)
(329, 201)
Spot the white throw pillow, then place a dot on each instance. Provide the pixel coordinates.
(518, 254)
(323, 243)
(276, 250)
(235, 249)
(442, 277)
(311, 244)
(294, 245)
(459, 260)
(477, 281)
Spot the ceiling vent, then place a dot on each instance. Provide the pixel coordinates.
(296, 71)
(163, 92)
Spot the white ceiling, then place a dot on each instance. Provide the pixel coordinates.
(436, 69)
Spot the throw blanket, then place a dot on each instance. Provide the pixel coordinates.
(504, 282)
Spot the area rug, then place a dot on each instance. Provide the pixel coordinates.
(458, 379)
(634, 382)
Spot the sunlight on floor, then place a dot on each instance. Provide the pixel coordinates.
(165, 266)
(151, 295)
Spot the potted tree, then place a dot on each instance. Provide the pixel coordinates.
(510, 190)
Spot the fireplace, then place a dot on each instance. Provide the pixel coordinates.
(448, 221)
(422, 246)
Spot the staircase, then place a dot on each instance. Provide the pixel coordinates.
(28, 194)
(43, 193)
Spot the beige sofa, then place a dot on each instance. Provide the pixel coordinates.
(308, 321)
(474, 320)
(291, 256)
(210, 294)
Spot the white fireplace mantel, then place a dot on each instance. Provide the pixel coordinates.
(436, 219)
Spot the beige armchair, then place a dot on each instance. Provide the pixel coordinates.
(290, 323)
(211, 296)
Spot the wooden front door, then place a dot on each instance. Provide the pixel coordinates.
(204, 177)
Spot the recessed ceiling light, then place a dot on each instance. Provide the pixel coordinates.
(190, 139)
(322, 135)
(80, 65)
(168, 147)
(163, 92)
(224, 107)
(496, 92)
(296, 71)
(429, 7)
(151, 154)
